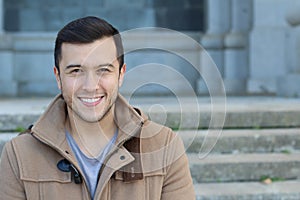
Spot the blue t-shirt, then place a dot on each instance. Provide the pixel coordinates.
(90, 166)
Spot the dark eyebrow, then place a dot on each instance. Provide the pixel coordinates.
(79, 66)
(72, 66)
(106, 65)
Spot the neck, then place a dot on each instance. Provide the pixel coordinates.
(91, 137)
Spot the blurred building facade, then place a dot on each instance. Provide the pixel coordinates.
(255, 44)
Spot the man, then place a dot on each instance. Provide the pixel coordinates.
(89, 143)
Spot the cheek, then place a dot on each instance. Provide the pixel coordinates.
(70, 85)
(106, 84)
(109, 84)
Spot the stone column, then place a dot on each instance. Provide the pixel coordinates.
(268, 41)
(6, 60)
(7, 66)
(288, 84)
(218, 15)
(1, 16)
(236, 61)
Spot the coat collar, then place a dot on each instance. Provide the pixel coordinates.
(50, 129)
(129, 121)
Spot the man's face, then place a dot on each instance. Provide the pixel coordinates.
(89, 77)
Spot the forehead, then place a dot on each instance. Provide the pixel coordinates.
(102, 50)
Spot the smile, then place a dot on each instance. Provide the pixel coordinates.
(91, 101)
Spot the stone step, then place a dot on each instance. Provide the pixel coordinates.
(285, 190)
(231, 141)
(209, 112)
(242, 140)
(244, 167)
(186, 119)
(179, 113)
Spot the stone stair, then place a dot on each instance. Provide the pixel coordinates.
(245, 163)
(255, 156)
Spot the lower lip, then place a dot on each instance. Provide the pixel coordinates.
(92, 104)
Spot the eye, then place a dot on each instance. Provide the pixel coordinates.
(76, 71)
(104, 69)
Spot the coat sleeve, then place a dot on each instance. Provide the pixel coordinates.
(11, 187)
(178, 183)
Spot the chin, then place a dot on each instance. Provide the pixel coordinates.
(91, 119)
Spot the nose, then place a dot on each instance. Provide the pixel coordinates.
(91, 83)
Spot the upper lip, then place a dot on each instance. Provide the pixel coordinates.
(90, 97)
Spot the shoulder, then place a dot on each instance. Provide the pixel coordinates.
(26, 149)
(16, 150)
(160, 146)
(23, 148)
(20, 143)
(24, 143)
(157, 133)
(33, 159)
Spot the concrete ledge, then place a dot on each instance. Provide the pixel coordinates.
(33, 41)
(4, 137)
(242, 140)
(180, 112)
(231, 141)
(20, 113)
(241, 112)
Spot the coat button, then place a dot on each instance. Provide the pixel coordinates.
(122, 157)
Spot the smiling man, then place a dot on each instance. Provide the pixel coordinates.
(90, 143)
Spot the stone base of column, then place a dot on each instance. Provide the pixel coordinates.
(215, 89)
(263, 86)
(289, 85)
(232, 87)
(235, 86)
(201, 87)
(211, 71)
(9, 89)
(38, 88)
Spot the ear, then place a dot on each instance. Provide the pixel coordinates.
(58, 81)
(122, 73)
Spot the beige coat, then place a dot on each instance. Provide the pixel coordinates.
(147, 163)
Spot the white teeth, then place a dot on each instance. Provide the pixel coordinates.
(90, 100)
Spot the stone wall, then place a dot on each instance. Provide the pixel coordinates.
(27, 62)
(50, 15)
(253, 43)
(29, 29)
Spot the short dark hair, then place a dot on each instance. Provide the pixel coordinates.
(87, 30)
